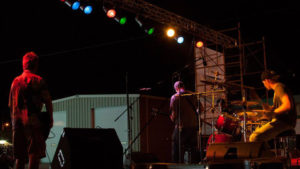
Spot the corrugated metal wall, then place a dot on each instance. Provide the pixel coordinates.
(78, 109)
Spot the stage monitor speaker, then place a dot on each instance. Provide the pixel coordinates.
(236, 150)
(80, 148)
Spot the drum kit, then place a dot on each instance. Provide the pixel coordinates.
(239, 122)
(232, 124)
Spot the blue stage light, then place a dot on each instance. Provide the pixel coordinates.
(75, 5)
(180, 40)
(88, 9)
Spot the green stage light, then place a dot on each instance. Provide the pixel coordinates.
(123, 20)
(150, 31)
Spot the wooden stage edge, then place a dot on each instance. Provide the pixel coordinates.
(261, 163)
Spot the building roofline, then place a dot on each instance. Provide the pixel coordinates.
(94, 96)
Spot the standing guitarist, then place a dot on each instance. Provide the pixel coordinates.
(283, 111)
(183, 111)
(27, 95)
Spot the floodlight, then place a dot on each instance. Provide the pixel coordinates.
(170, 32)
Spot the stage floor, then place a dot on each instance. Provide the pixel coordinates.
(228, 164)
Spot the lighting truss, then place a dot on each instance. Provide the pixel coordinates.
(163, 16)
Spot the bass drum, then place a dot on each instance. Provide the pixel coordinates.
(219, 138)
(227, 124)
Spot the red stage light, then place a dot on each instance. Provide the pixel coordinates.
(111, 13)
(199, 44)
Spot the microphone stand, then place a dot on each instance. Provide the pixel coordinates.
(153, 115)
(213, 110)
(130, 107)
(128, 119)
(199, 128)
(179, 127)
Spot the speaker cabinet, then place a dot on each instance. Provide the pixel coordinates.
(236, 150)
(80, 148)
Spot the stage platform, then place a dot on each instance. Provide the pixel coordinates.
(260, 163)
(168, 166)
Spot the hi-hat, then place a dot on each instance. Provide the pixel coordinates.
(257, 115)
(249, 115)
(260, 111)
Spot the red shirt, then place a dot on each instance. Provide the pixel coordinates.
(27, 95)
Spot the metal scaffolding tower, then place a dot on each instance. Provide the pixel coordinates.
(243, 65)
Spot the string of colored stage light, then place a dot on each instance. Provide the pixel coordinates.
(79, 49)
(111, 12)
(87, 9)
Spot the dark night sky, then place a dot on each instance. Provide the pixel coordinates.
(90, 54)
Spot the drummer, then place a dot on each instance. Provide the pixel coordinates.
(283, 109)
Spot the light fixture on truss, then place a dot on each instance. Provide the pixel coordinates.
(112, 13)
(147, 29)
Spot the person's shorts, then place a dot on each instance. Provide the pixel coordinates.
(28, 140)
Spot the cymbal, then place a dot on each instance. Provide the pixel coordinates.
(203, 93)
(210, 82)
(248, 103)
(260, 111)
(226, 84)
(230, 116)
(249, 114)
(257, 115)
(253, 123)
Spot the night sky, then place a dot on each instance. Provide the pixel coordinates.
(90, 54)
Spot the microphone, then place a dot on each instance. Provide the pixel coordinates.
(186, 66)
(145, 89)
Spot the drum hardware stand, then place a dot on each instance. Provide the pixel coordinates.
(213, 109)
(199, 127)
(244, 106)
